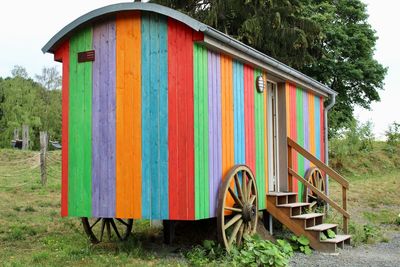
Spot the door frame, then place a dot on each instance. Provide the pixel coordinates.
(273, 136)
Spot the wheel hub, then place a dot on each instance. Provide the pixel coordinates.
(249, 212)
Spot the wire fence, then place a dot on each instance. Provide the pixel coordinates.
(30, 166)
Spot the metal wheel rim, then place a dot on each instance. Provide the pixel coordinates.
(98, 229)
(244, 213)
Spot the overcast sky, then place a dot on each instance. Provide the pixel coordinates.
(26, 26)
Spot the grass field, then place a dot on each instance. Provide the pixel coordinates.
(33, 233)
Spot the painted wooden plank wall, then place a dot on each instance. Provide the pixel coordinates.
(154, 117)
(201, 154)
(238, 111)
(103, 121)
(260, 127)
(62, 55)
(249, 110)
(181, 121)
(228, 158)
(214, 130)
(80, 127)
(305, 111)
(128, 116)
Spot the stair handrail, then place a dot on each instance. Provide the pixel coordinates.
(325, 168)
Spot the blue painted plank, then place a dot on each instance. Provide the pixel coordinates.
(146, 130)
(154, 117)
(238, 95)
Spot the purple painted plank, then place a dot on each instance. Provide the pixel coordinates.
(103, 121)
(215, 129)
(306, 112)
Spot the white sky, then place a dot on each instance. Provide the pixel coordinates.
(25, 26)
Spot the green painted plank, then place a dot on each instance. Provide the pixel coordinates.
(80, 128)
(201, 132)
(260, 142)
(300, 138)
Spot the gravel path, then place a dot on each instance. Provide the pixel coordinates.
(382, 255)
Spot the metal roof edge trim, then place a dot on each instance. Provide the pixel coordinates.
(128, 6)
(226, 39)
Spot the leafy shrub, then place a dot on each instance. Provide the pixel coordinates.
(259, 252)
(356, 139)
(255, 252)
(397, 220)
(301, 244)
(393, 135)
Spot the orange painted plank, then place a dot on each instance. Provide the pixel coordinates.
(128, 116)
(228, 159)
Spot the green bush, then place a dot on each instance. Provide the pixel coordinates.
(254, 252)
(356, 139)
(301, 244)
(393, 135)
(259, 252)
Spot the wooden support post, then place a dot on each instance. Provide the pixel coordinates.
(43, 150)
(16, 134)
(344, 204)
(25, 137)
(290, 166)
(169, 231)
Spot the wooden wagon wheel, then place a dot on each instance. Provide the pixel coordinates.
(95, 228)
(237, 206)
(315, 177)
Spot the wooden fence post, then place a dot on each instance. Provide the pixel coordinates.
(43, 150)
(16, 134)
(25, 137)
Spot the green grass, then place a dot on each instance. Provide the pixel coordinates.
(373, 197)
(32, 231)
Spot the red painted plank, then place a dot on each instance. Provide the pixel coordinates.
(249, 117)
(62, 55)
(180, 128)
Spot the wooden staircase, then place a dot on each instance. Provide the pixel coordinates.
(285, 208)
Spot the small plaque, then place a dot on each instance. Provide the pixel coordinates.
(86, 56)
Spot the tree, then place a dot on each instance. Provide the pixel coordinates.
(50, 78)
(19, 71)
(330, 41)
(346, 60)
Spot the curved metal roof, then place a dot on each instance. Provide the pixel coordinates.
(277, 67)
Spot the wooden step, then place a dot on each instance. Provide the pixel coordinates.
(308, 216)
(337, 239)
(278, 194)
(293, 205)
(322, 227)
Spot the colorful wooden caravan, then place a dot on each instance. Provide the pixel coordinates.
(165, 118)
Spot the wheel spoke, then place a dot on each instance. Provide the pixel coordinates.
(249, 186)
(234, 209)
(103, 223)
(234, 196)
(252, 199)
(115, 229)
(121, 221)
(239, 188)
(244, 185)
(240, 235)
(95, 223)
(235, 232)
(108, 229)
(232, 221)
